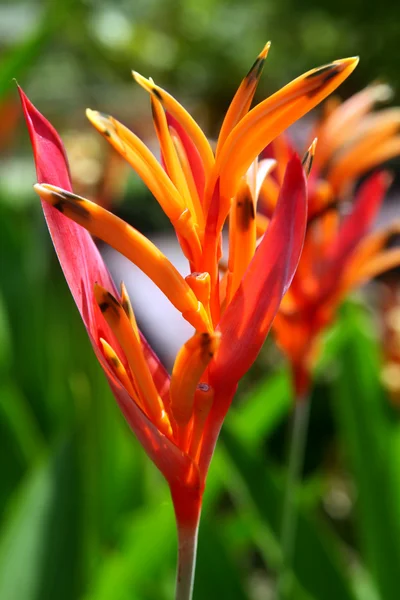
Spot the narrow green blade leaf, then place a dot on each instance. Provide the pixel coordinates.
(40, 541)
(369, 432)
(317, 566)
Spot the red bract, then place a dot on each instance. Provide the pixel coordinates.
(177, 418)
(83, 267)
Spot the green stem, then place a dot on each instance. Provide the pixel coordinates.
(187, 505)
(187, 547)
(297, 444)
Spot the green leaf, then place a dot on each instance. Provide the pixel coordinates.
(18, 417)
(369, 431)
(19, 59)
(40, 538)
(217, 576)
(261, 409)
(148, 543)
(317, 566)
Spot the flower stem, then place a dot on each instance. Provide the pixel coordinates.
(187, 546)
(297, 446)
(187, 505)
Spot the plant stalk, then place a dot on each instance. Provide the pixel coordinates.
(187, 505)
(297, 445)
(187, 547)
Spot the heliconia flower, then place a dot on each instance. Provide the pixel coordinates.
(177, 418)
(340, 252)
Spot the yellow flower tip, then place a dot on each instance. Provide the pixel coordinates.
(313, 146)
(61, 199)
(331, 70)
(41, 190)
(255, 72)
(264, 52)
(109, 353)
(48, 189)
(92, 115)
(347, 63)
(100, 121)
(308, 158)
(147, 84)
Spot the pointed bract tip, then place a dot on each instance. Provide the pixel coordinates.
(46, 191)
(39, 187)
(350, 62)
(142, 81)
(308, 158)
(101, 121)
(313, 145)
(264, 52)
(92, 115)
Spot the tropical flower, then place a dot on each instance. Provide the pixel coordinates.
(177, 418)
(340, 252)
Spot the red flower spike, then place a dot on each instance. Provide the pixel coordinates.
(178, 424)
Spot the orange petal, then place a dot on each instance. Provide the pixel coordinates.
(243, 98)
(339, 126)
(132, 244)
(142, 161)
(190, 364)
(119, 323)
(345, 171)
(272, 116)
(242, 238)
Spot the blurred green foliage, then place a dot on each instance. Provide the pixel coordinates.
(84, 514)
